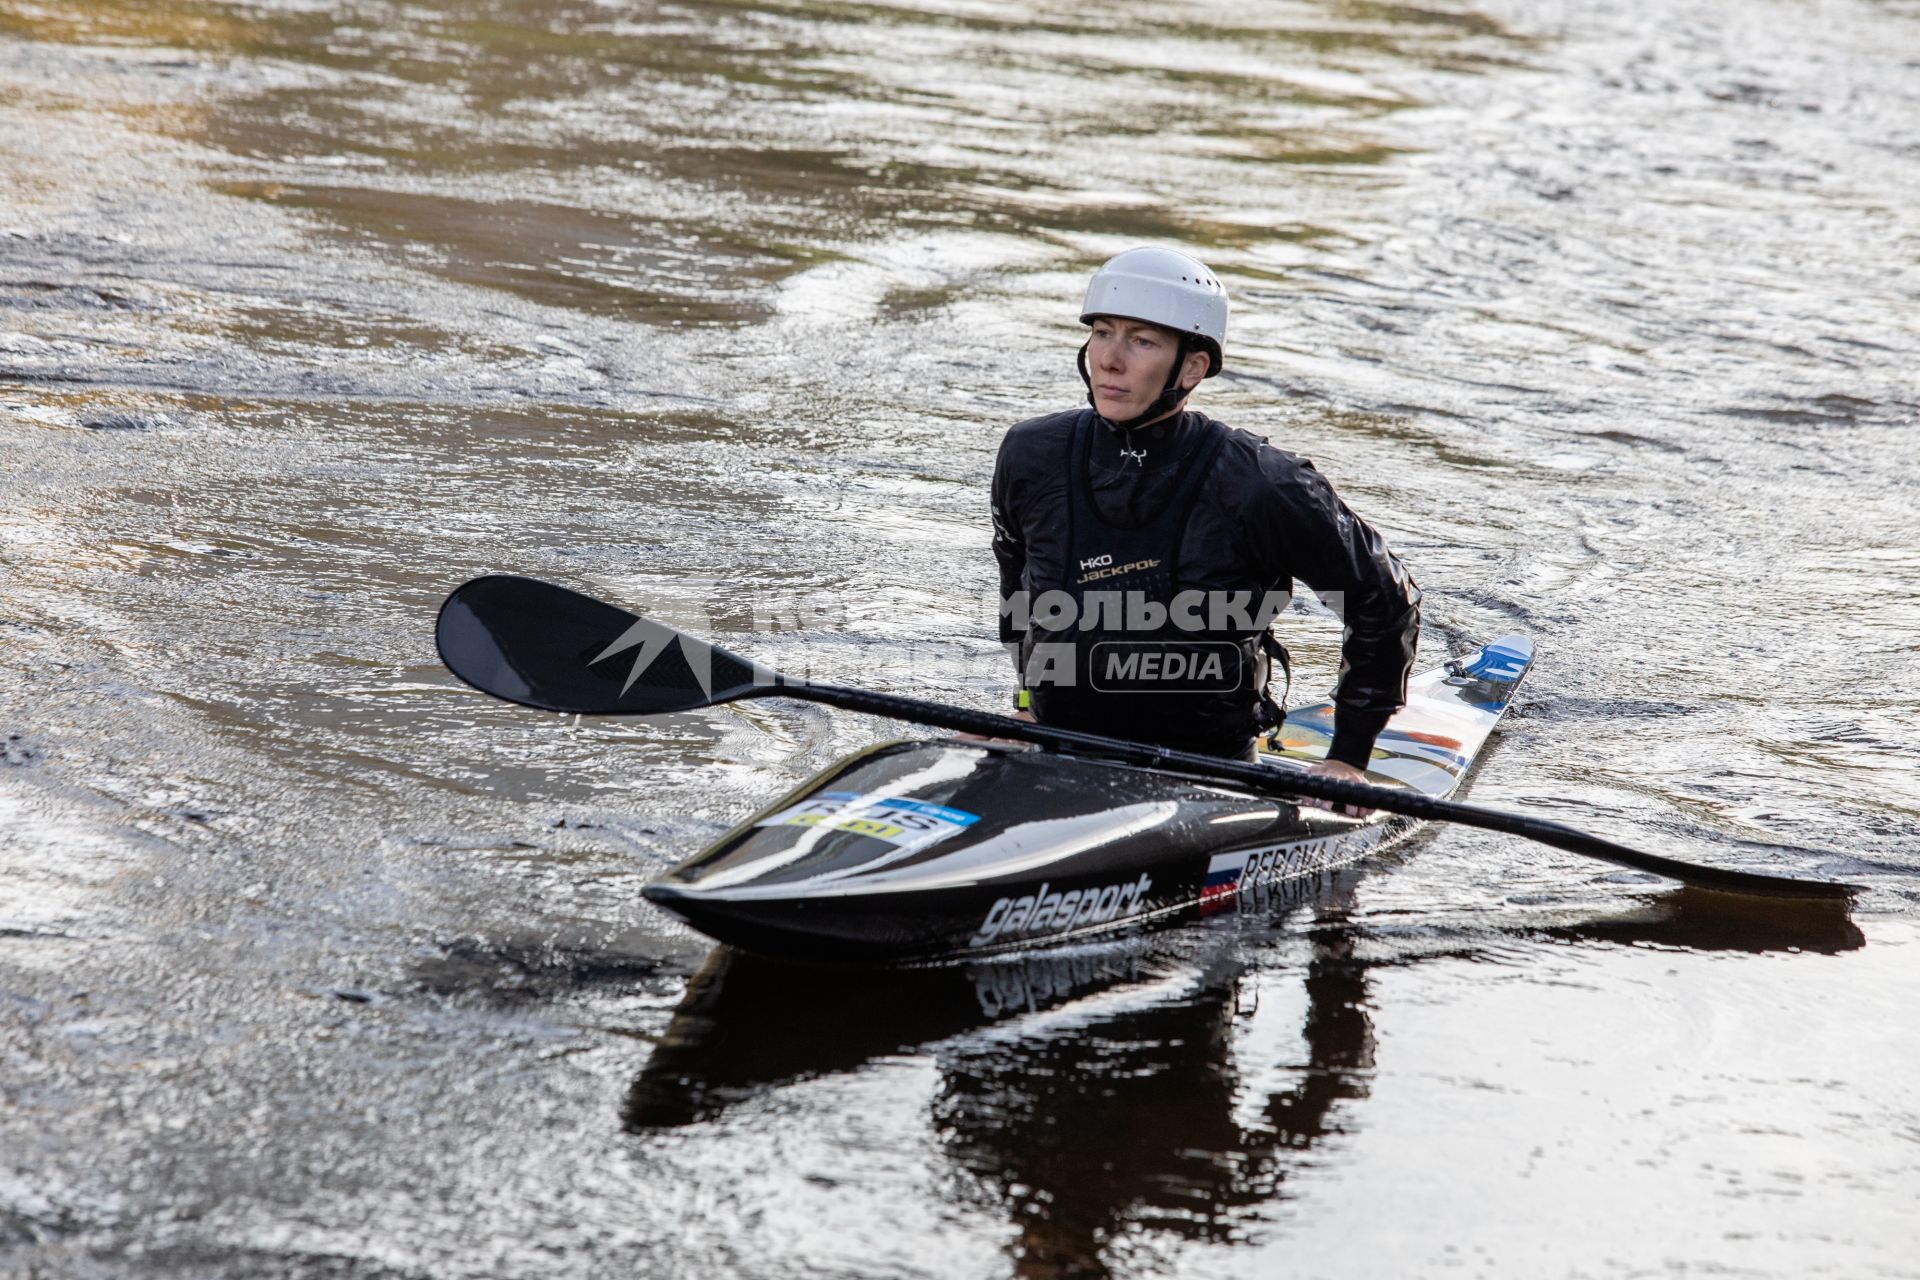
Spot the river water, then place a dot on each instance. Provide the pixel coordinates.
(315, 964)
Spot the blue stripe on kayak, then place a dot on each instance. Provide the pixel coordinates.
(1497, 664)
(958, 817)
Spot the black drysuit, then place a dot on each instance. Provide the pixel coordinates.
(1207, 508)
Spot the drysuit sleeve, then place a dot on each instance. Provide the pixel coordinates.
(1010, 550)
(1315, 538)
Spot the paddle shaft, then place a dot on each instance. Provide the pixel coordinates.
(1293, 783)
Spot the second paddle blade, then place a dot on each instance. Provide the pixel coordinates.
(545, 646)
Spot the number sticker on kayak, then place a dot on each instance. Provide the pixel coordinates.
(893, 819)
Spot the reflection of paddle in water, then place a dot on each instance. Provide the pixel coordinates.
(1105, 1100)
(1702, 920)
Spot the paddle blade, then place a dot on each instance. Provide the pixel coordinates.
(544, 646)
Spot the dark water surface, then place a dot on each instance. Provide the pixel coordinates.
(313, 964)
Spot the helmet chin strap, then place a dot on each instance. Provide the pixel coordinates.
(1170, 395)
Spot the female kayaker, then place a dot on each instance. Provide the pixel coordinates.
(1144, 547)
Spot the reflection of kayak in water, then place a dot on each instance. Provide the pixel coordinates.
(942, 847)
(1128, 1095)
(1089, 1094)
(749, 1025)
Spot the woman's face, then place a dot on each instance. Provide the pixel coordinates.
(1128, 362)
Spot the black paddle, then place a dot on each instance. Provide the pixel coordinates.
(543, 646)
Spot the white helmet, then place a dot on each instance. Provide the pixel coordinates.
(1163, 287)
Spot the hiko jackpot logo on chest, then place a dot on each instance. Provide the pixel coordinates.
(1100, 568)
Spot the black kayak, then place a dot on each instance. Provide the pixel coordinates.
(945, 847)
